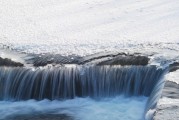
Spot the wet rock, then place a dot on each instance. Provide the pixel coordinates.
(9, 62)
(43, 60)
(126, 60)
(97, 59)
(173, 67)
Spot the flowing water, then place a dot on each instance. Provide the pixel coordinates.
(117, 108)
(81, 92)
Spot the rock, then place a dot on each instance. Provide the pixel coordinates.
(97, 59)
(126, 60)
(173, 67)
(9, 62)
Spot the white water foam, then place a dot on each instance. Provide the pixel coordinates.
(79, 108)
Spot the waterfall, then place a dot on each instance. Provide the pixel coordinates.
(70, 81)
(155, 96)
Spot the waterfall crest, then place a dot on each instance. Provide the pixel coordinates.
(68, 82)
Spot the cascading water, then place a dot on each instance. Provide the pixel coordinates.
(72, 81)
(69, 82)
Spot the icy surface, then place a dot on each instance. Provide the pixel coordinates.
(168, 105)
(173, 76)
(79, 108)
(167, 109)
(88, 26)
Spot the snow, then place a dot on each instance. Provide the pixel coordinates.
(168, 109)
(173, 76)
(86, 27)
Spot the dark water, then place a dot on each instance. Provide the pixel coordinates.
(40, 117)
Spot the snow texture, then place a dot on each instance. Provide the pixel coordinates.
(173, 76)
(86, 27)
(168, 109)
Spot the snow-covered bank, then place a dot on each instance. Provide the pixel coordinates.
(168, 109)
(85, 27)
(79, 27)
(173, 76)
(168, 105)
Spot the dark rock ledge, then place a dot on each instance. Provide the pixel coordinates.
(9, 62)
(174, 66)
(126, 60)
(95, 59)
